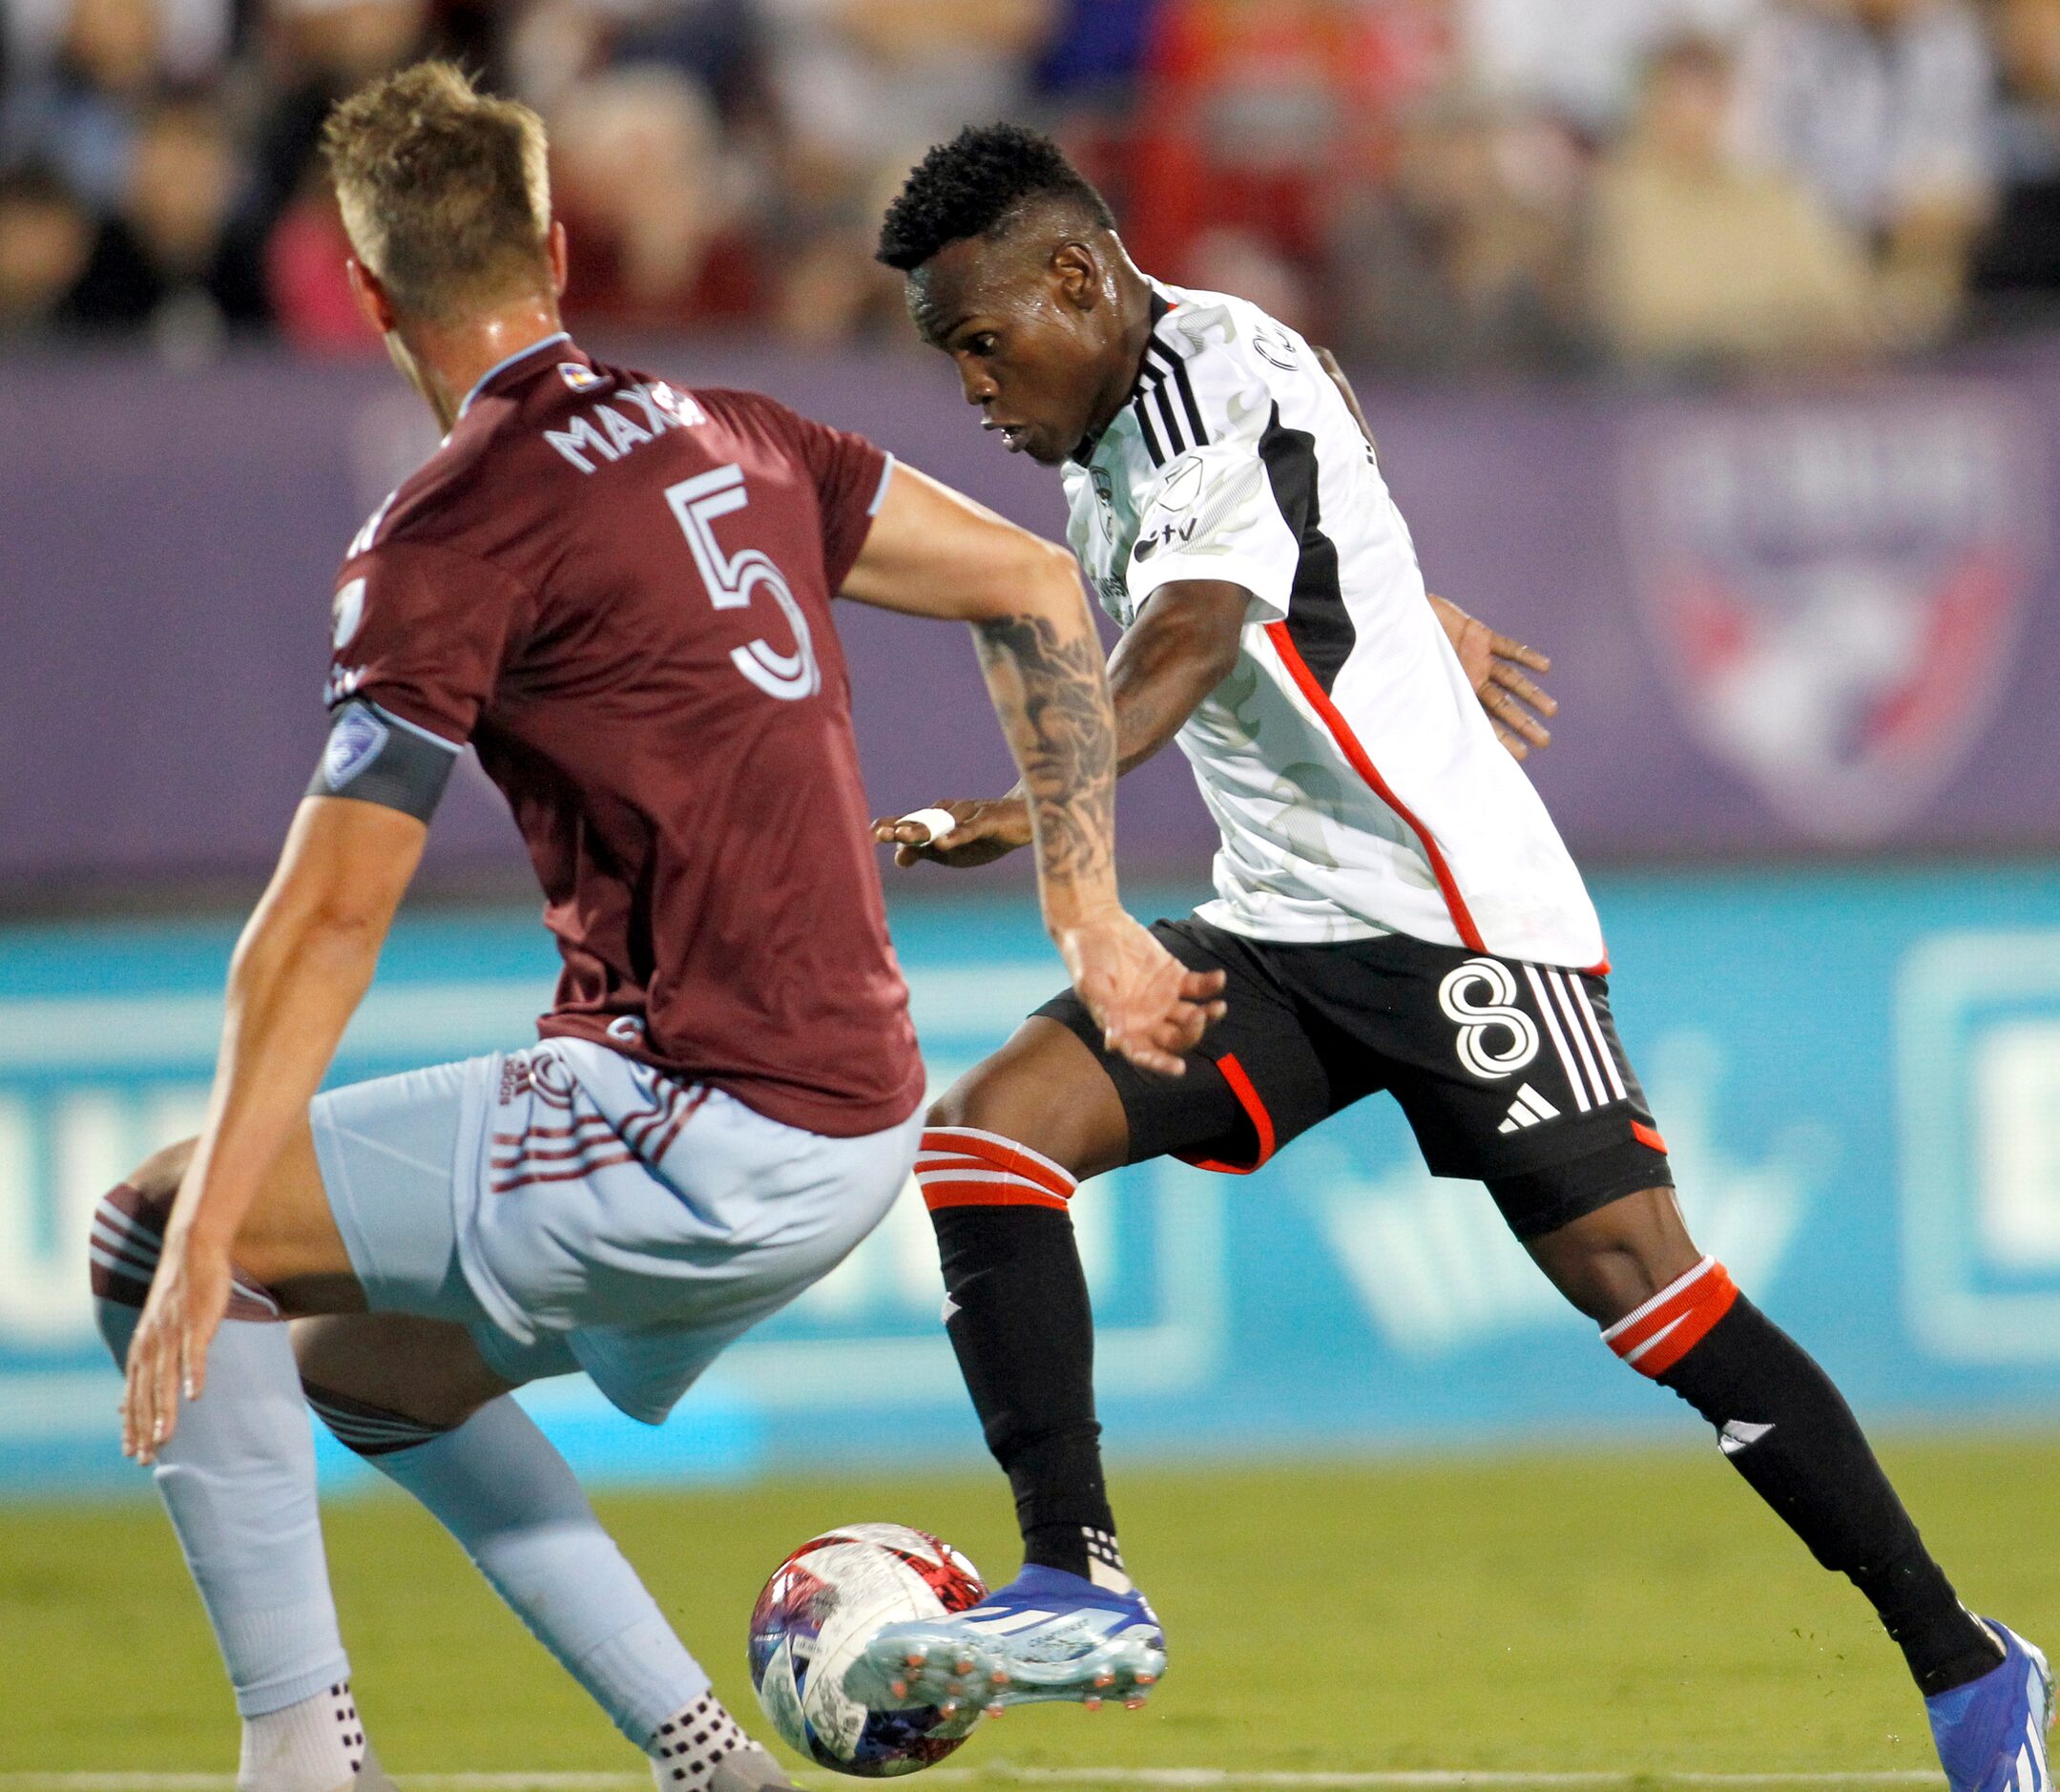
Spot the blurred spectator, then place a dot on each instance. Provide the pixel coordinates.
(2017, 268)
(1887, 110)
(651, 201)
(46, 236)
(194, 37)
(1471, 257)
(1581, 59)
(168, 259)
(1698, 259)
(79, 113)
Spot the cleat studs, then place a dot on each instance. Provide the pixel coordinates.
(1102, 1680)
(1000, 1676)
(965, 1666)
(1134, 1705)
(913, 1658)
(1148, 1680)
(1091, 1704)
(899, 1688)
(996, 1709)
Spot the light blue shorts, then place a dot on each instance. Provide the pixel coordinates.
(573, 1209)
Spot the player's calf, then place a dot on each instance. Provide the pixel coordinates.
(1678, 1318)
(237, 1478)
(415, 1400)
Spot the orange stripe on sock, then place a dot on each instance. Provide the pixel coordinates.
(959, 1168)
(1659, 1336)
(952, 1193)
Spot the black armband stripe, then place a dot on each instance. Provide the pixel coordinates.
(373, 756)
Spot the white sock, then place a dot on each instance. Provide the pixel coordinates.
(690, 1744)
(314, 1746)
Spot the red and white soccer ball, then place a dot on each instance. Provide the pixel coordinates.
(820, 1609)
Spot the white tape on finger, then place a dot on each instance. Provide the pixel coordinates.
(941, 823)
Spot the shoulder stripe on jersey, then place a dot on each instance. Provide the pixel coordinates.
(1144, 426)
(1178, 367)
(1172, 424)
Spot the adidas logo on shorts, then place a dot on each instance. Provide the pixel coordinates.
(1529, 1108)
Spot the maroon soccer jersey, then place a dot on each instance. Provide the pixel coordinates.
(619, 594)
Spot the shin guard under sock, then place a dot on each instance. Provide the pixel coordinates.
(1787, 1430)
(1017, 1307)
(499, 1486)
(237, 1478)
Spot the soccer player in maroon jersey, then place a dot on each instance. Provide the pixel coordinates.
(618, 593)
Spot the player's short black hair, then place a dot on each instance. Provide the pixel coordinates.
(974, 186)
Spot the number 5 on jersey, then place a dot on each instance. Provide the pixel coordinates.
(732, 579)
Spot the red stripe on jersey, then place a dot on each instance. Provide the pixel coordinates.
(1674, 1321)
(1356, 754)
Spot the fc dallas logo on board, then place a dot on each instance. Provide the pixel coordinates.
(1834, 588)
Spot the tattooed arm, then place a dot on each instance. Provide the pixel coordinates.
(932, 553)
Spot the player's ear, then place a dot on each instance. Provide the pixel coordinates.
(560, 256)
(373, 303)
(1076, 270)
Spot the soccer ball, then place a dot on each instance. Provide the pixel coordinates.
(820, 1609)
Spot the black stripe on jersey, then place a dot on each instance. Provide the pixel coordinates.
(1178, 369)
(1172, 422)
(1318, 621)
(1151, 439)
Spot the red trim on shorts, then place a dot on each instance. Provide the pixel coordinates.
(1356, 754)
(1255, 1111)
(1648, 1138)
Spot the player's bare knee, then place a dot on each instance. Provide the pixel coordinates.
(156, 1178)
(382, 1382)
(1609, 1262)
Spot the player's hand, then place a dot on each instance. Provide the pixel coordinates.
(1495, 666)
(168, 1355)
(985, 831)
(1152, 1008)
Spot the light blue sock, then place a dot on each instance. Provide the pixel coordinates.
(237, 1478)
(499, 1486)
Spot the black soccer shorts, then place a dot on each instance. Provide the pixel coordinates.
(1508, 1073)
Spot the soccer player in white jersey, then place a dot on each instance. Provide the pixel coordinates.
(1394, 911)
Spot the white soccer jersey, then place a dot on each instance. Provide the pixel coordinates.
(1359, 785)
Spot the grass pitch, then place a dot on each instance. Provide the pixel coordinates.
(1623, 1612)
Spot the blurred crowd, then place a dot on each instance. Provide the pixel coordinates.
(1428, 184)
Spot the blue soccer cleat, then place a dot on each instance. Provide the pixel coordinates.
(1991, 1732)
(1048, 1636)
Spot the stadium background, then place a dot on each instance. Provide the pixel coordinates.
(1711, 346)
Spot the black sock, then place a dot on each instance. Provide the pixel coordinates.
(1025, 1337)
(1812, 1465)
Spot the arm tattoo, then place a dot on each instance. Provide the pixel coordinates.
(1052, 695)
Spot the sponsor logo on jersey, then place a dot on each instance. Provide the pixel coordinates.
(1166, 536)
(346, 610)
(354, 742)
(1834, 589)
(580, 379)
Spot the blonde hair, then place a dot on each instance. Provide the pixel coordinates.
(445, 192)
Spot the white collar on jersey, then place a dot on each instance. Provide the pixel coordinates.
(501, 367)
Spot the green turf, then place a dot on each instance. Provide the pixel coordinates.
(1622, 1610)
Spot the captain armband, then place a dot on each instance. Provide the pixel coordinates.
(375, 757)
